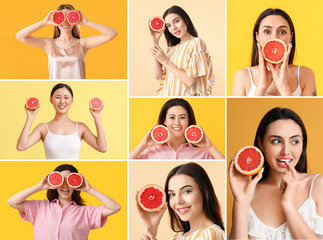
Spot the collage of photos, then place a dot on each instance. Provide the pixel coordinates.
(180, 120)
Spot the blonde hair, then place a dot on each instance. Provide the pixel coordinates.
(76, 29)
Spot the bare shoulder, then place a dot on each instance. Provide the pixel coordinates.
(240, 82)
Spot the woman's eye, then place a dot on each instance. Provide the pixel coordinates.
(172, 117)
(266, 31)
(187, 191)
(275, 141)
(177, 20)
(282, 32)
(171, 194)
(183, 117)
(295, 142)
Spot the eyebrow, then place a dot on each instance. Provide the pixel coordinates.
(172, 114)
(180, 188)
(277, 136)
(173, 20)
(282, 26)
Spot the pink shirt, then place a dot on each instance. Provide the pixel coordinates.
(184, 151)
(52, 222)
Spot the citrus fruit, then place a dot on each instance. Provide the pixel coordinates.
(32, 103)
(160, 134)
(74, 180)
(274, 50)
(58, 17)
(249, 160)
(151, 198)
(73, 17)
(96, 104)
(157, 24)
(55, 179)
(194, 134)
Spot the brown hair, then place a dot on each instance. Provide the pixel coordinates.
(76, 29)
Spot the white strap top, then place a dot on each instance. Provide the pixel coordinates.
(62, 146)
(258, 230)
(297, 92)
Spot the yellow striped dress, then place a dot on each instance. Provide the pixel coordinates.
(193, 57)
(213, 232)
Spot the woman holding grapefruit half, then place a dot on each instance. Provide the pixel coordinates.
(282, 201)
(62, 137)
(64, 215)
(66, 50)
(186, 67)
(193, 207)
(272, 72)
(176, 115)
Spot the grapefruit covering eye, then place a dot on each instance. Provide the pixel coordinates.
(32, 103)
(151, 198)
(74, 180)
(194, 134)
(157, 24)
(58, 17)
(274, 50)
(55, 179)
(73, 17)
(249, 160)
(160, 134)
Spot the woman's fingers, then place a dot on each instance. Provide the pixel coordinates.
(258, 176)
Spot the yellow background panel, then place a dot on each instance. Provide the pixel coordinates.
(13, 96)
(19, 60)
(142, 173)
(101, 175)
(307, 19)
(244, 116)
(209, 114)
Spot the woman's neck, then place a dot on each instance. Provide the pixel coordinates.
(63, 201)
(61, 117)
(176, 142)
(198, 223)
(65, 37)
(186, 37)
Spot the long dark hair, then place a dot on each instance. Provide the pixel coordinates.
(76, 28)
(170, 38)
(61, 85)
(272, 116)
(266, 13)
(177, 102)
(211, 206)
(76, 196)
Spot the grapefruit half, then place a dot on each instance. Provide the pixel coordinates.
(96, 104)
(151, 198)
(157, 24)
(55, 179)
(58, 17)
(74, 180)
(32, 103)
(160, 134)
(249, 160)
(274, 50)
(73, 17)
(194, 134)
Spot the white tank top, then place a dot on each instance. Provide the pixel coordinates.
(62, 146)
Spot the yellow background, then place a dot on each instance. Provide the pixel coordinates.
(101, 175)
(208, 18)
(307, 19)
(244, 116)
(142, 173)
(13, 96)
(209, 114)
(19, 60)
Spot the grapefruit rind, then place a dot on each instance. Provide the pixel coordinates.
(92, 104)
(51, 183)
(254, 170)
(73, 17)
(189, 137)
(145, 191)
(156, 21)
(154, 135)
(58, 17)
(32, 101)
(263, 50)
(71, 182)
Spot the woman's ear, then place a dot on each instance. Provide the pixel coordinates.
(260, 144)
(291, 37)
(257, 36)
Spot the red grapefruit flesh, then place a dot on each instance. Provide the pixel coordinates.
(194, 134)
(55, 179)
(274, 50)
(96, 104)
(157, 24)
(160, 134)
(73, 17)
(151, 198)
(249, 160)
(58, 17)
(74, 180)
(32, 103)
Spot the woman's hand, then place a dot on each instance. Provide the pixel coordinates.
(155, 36)
(83, 19)
(85, 187)
(97, 113)
(264, 77)
(205, 142)
(158, 54)
(48, 20)
(31, 113)
(43, 184)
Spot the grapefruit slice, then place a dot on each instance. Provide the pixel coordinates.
(32, 103)
(249, 160)
(73, 17)
(274, 50)
(96, 104)
(55, 179)
(151, 198)
(58, 17)
(157, 24)
(160, 134)
(194, 134)
(74, 180)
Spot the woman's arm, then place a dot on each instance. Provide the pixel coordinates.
(145, 143)
(307, 75)
(207, 144)
(107, 35)
(238, 87)
(98, 142)
(157, 67)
